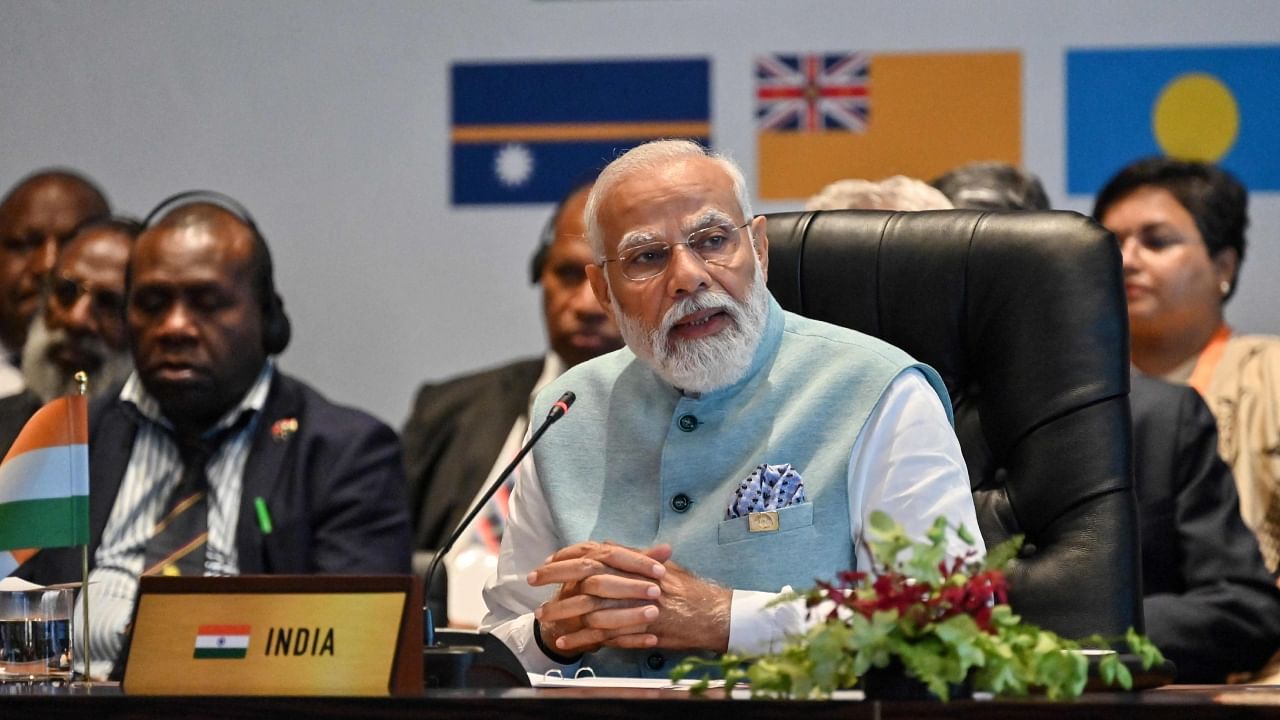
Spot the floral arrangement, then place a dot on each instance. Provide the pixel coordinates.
(945, 622)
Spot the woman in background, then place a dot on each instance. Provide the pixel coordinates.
(1181, 227)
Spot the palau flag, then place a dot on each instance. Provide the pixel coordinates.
(822, 118)
(1216, 104)
(44, 483)
(528, 132)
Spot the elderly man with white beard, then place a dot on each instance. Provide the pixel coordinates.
(79, 324)
(729, 452)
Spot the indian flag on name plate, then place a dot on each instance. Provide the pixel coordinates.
(222, 642)
(44, 483)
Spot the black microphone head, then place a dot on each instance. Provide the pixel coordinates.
(561, 406)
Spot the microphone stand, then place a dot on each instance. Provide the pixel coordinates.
(447, 665)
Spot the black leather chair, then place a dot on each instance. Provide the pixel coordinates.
(1023, 315)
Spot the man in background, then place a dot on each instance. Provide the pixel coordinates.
(79, 324)
(210, 461)
(992, 186)
(898, 193)
(461, 433)
(37, 217)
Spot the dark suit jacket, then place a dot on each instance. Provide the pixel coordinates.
(334, 488)
(452, 439)
(15, 411)
(1210, 604)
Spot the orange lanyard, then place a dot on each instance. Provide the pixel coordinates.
(1202, 374)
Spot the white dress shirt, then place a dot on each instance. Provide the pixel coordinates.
(154, 470)
(469, 564)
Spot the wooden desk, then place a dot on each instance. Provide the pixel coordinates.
(592, 703)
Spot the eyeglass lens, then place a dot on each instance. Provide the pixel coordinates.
(715, 245)
(68, 292)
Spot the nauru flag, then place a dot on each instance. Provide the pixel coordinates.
(222, 642)
(44, 483)
(529, 131)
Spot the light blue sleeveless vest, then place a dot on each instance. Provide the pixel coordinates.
(639, 463)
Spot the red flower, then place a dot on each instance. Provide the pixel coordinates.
(983, 619)
(917, 603)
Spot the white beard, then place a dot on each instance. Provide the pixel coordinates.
(45, 378)
(709, 363)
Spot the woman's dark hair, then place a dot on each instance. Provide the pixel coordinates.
(1214, 197)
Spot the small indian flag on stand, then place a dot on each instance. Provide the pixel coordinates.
(222, 642)
(44, 483)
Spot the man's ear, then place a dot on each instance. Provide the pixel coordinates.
(759, 232)
(600, 288)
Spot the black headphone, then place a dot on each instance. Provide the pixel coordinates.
(276, 328)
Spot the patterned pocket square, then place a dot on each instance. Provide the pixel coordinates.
(769, 487)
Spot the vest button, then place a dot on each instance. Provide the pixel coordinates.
(688, 423)
(680, 502)
(655, 661)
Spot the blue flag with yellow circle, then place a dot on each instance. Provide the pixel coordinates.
(1216, 104)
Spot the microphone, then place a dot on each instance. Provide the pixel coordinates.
(557, 411)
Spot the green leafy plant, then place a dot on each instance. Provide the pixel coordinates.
(946, 621)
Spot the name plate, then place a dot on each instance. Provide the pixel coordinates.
(276, 635)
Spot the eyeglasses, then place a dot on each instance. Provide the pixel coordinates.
(106, 305)
(716, 245)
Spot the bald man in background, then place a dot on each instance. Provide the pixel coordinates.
(37, 217)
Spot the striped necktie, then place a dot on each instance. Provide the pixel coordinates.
(178, 541)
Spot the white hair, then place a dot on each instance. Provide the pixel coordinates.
(649, 157)
(896, 193)
(47, 380)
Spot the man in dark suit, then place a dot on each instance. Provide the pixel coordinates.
(1210, 604)
(209, 460)
(457, 430)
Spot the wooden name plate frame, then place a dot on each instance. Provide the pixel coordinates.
(276, 635)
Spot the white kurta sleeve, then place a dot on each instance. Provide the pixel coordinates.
(527, 541)
(910, 466)
(906, 462)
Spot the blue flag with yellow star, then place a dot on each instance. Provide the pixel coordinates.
(1215, 104)
(529, 132)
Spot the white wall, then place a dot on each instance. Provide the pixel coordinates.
(330, 121)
